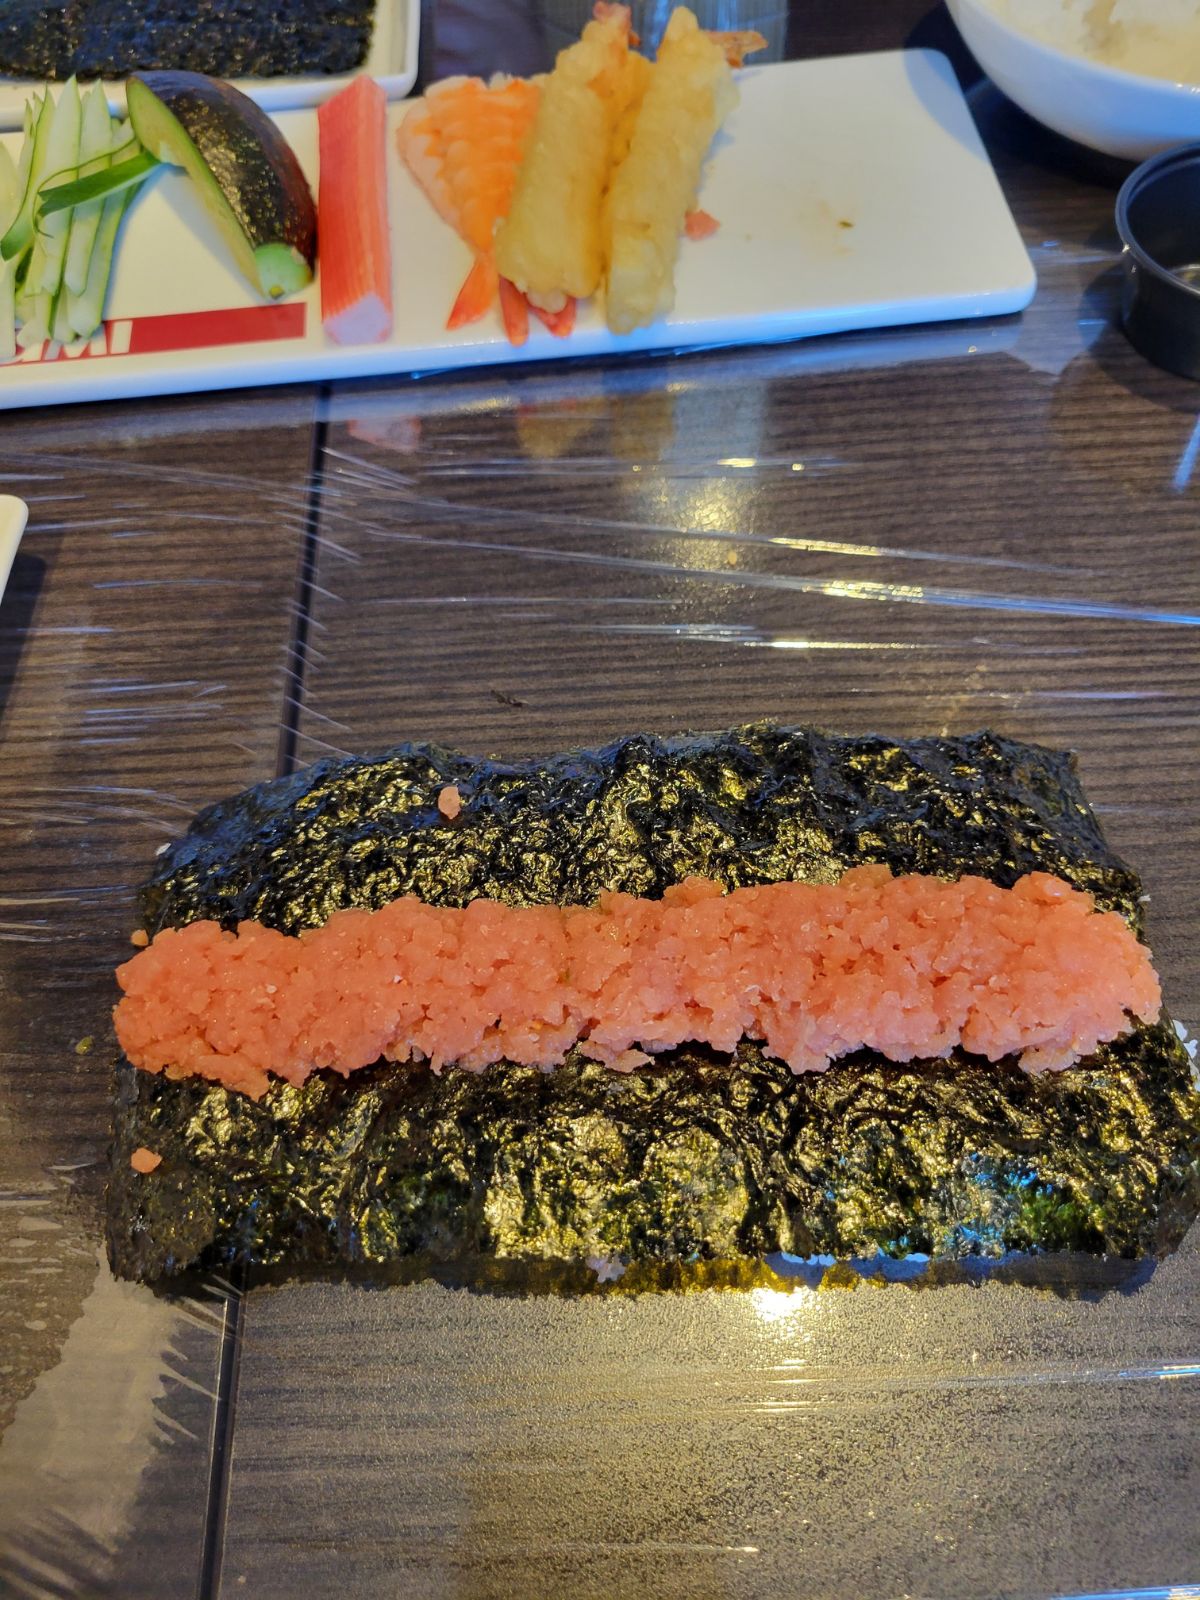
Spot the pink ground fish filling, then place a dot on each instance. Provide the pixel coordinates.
(910, 967)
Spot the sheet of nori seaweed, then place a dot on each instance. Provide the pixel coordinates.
(225, 38)
(696, 1159)
(35, 37)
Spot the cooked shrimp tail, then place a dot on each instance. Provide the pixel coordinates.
(737, 43)
(477, 295)
(560, 323)
(515, 310)
(606, 11)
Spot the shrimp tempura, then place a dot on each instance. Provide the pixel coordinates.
(690, 94)
(549, 245)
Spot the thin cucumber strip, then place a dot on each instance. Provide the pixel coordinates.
(86, 311)
(125, 142)
(96, 129)
(9, 215)
(8, 310)
(95, 154)
(60, 322)
(25, 302)
(62, 157)
(35, 326)
(58, 197)
(10, 187)
(19, 233)
(30, 280)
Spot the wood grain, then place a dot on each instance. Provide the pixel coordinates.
(144, 664)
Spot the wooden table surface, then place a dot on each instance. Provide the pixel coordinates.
(935, 529)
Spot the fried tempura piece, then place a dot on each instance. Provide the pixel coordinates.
(690, 94)
(737, 43)
(632, 91)
(550, 243)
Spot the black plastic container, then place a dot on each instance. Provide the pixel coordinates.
(1158, 218)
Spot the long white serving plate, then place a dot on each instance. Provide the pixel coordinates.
(392, 60)
(851, 193)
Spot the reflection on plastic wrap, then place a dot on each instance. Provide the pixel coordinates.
(144, 639)
(135, 1376)
(578, 427)
(874, 1441)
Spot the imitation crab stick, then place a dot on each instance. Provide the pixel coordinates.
(911, 967)
(356, 254)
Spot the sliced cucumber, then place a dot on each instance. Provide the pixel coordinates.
(56, 197)
(10, 187)
(8, 310)
(11, 212)
(35, 322)
(19, 234)
(245, 171)
(85, 311)
(61, 160)
(60, 322)
(95, 154)
(29, 279)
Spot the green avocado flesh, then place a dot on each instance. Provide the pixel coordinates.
(245, 172)
(702, 1167)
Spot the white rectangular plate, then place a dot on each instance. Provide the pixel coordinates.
(392, 59)
(851, 193)
(13, 515)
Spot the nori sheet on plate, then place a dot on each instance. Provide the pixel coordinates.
(225, 38)
(697, 1163)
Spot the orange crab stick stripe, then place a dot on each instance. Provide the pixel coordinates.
(910, 967)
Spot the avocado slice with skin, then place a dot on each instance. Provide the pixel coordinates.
(245, 171)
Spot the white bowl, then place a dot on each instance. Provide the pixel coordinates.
(1120, 113)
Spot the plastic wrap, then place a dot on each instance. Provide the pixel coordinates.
(929, 532)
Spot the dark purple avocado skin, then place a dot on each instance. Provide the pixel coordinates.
(701, 1159)
(224, 38)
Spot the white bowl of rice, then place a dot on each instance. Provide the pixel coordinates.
(1122, 76)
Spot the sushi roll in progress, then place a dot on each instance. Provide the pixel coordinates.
(710, 1156)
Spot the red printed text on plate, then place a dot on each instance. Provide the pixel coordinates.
(178, 331)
